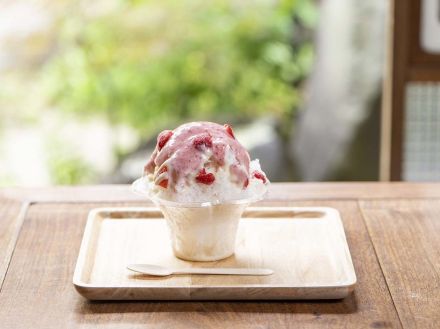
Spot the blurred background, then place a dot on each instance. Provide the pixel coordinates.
(85, 86)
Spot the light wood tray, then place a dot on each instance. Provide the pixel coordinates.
(306, 247)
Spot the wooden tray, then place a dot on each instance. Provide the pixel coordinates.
(306, 247)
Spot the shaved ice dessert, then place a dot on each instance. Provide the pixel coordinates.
(202, 179)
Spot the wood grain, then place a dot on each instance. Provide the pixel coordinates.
(38, 293)
(277, 192)
(11, 217)
(406, 235)
(305, 246)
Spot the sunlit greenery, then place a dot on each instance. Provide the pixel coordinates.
(145, 65)
(67, 167)
(150, 63)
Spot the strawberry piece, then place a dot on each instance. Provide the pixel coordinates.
(229, 130)
(200, 141)
(163, 138)
(259, 175)
(164, 169)
(163, 183)
(205, 178)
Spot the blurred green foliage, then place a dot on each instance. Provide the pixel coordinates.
(66, 167)
(152, 63)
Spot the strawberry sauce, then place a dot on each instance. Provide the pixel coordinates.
(194, 152)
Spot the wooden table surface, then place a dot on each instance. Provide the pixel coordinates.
(393, 231)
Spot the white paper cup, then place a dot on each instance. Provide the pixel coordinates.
(200, 231)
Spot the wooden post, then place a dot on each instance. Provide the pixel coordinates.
(406, 62)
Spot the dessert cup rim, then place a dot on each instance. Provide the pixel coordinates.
(136, 188)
